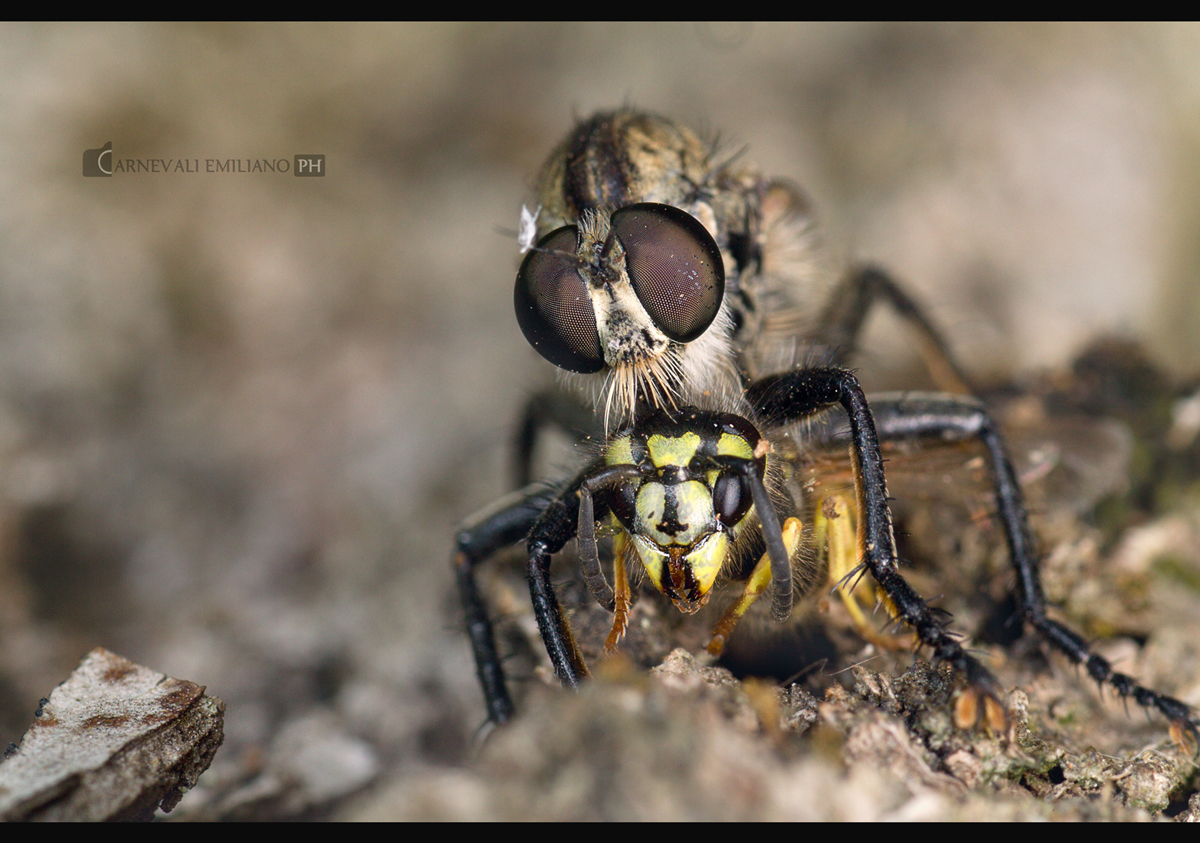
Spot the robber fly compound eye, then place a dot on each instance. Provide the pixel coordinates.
(666, 255)
(674, 265)
(553, 307)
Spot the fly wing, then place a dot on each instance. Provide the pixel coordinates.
(943, 498)
(1065, 463)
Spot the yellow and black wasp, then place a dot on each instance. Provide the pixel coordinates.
(669, 282)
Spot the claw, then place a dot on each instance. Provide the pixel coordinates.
(716, 645)
(976, 707)
(994, 715)
(1186, 736)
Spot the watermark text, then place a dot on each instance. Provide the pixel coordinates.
(102, 163)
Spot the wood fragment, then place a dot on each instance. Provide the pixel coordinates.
(115, 741)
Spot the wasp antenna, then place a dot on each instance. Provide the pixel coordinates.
(589, 555)
(772, 533)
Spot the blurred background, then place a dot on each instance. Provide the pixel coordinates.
(241, 413)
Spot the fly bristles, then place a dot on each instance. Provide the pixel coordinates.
(654, 381)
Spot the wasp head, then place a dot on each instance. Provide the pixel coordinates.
(690, 499)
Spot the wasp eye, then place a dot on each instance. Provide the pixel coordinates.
(553, 307)
(730, 499)
(674, 265)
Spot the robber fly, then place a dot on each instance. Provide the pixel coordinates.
(668, 281)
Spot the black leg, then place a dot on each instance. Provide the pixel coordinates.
(557, 525)
(504, 524)
(545, 410)
(842, 321)
(802, 394)
(930, 417)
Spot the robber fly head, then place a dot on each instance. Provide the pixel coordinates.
(628, 278)
(625, 292)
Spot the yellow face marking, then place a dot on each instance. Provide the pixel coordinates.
(731, 445)
(672, 450)
(649, 508)
(620, 451)
(707, 559)
(651, 558)
(692, 513)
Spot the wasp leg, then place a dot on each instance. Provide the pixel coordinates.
(549, 409)
(951, 418)
(505, 523)
(801, 394)
(834, 530)
(759, 579)
(622, 593)
(849, 306)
